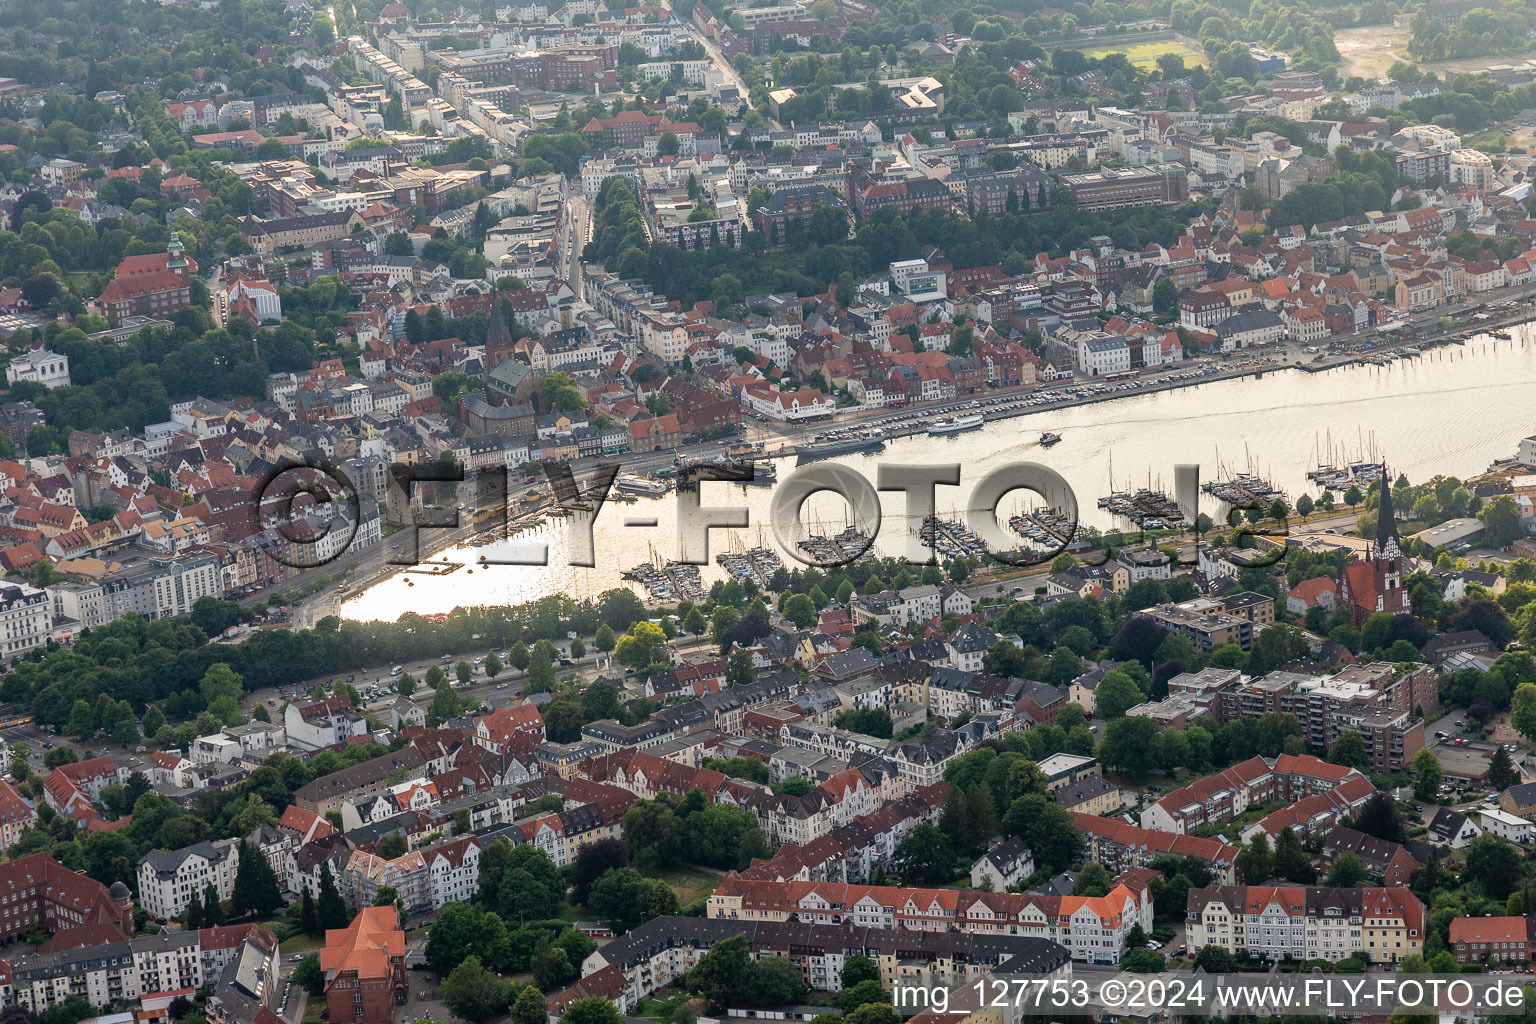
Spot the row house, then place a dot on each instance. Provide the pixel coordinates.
(1493, 941)
(1307, 922)
(1094, 929)
(654, 955)
(1121, 846)
(1227, 794)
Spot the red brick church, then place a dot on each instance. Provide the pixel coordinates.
(1376, 584)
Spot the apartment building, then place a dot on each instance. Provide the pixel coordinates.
(25, 619)
(1205, 622)
(1380, 700)
(148, 965)
(1121, 846)
(168, 880)
(316, 724)
(368, 779)
(1227, 794)
(1307, 922)
(1094, 929)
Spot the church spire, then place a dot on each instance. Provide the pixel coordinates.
(1386, 518)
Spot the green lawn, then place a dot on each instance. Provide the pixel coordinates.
(1144, 55)
(688, 884)
(660, 1008)
(300, 944)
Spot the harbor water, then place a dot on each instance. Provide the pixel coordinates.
(1453, 410)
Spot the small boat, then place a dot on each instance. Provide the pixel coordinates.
(841, 442)
(630, 483)
(955, 424)
(1047, 439)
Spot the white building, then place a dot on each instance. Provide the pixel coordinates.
(1005, 865)
(315, 724)
(1099, 354)
(1472, 169)
(1507, 826)
(1146, 565)
(40, 366)
(914, 280)
(25, 621)
(169, 880)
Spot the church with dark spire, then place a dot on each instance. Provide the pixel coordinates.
(1376, 584)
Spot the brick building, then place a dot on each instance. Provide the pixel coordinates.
(364, 965)
(155, 284)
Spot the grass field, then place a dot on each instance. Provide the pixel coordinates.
(689, 884)
(1144, 55)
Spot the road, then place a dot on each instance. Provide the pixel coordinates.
(721, 61)
(574, 234)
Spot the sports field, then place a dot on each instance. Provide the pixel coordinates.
(1144, 55)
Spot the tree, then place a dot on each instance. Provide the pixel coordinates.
(741, 670)
(1500, 517)
(1116, 694)
(474, 993)
(799, 610)
(464, 671)
(603, 638)
(1128, 746)
(1493, 864)
(857, 968)
(331, 908)
(528, 1006)
(1427, 774)
(1347, 871)
(1291, 861)
(867, 991)
(628, 899)
(654, 835)
(493, 665)
(592, 862)
(309, 917)
(445, 705)
(1092, 880)
(192, 917)
(551, 966)
(925, 857)
(1165, 296)
(308, 975)
(1349, 749)
(1378, 817)
(462, 929)
(873, 1013)
(1502, 772)
(694, 622)
(256, 890)
(1143, 961)
(594, 1010)
(1215, 960)
(724, 972)
(1047, 829)
(1256, 863)
(1523, 710)
(213, 907)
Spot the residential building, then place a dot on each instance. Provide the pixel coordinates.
(168, 881)
(1307, 922)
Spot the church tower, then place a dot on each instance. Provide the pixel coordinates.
(1386, 549)
(1376, 584)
